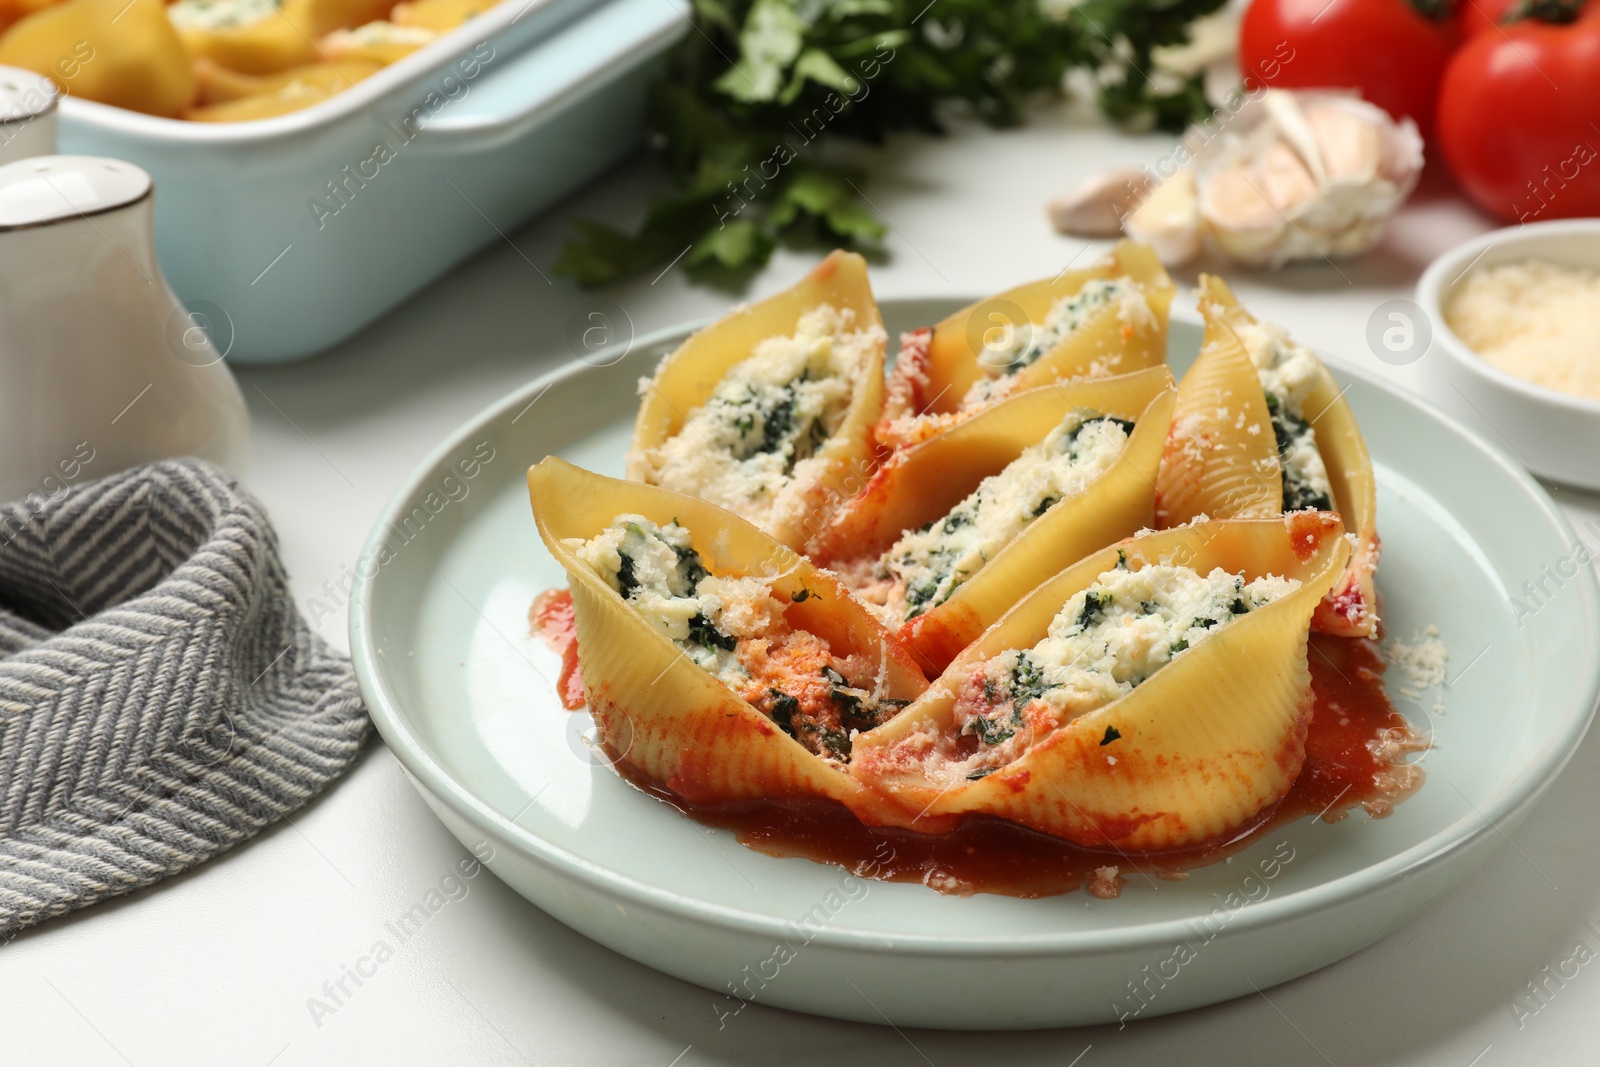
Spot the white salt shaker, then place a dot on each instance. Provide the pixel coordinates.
(101, 368)
(27, 115)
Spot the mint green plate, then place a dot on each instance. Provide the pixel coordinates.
(464, 697)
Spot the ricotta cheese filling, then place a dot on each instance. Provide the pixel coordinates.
(735, 630)
(378, 33)
(755, 446)
(1105, 641)
(1288, 372)
(925, 567)
(219, 14)
(1028, 342)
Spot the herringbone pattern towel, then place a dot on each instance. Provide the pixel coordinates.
(161, 699)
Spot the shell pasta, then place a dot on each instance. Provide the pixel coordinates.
(1104, 321)
(1150, 696)
(766, 412)
(1073, 603)
(1260, 429)
(717, 662)
(949, 533)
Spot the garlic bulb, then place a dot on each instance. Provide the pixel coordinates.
(1289, 175)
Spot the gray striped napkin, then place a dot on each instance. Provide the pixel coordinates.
(161, 699)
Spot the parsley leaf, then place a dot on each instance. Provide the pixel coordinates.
(747, 97)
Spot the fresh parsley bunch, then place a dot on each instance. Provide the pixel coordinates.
(750, 91)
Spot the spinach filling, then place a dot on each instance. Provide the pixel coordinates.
(703, 633)
(1293, 432)
(1063, 319)
(1026, 681)
(766, 423)
(825, 734)
(857, 708)
(689, 566)
(627, 581)
(924, 595)
(1094, 606)
(939, 568)
(1025, 685)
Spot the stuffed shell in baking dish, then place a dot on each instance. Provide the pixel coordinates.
(1261, 428)
(223, 60)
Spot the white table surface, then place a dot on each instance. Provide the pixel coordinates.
(217, 966)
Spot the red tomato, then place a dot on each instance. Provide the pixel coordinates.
(1517, 118)
(1385, 48)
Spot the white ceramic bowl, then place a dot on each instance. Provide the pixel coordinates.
(1553, 434)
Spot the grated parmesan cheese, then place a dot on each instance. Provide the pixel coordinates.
(1537, 320)
(1423, 659)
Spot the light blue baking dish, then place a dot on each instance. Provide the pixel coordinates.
(290, 234)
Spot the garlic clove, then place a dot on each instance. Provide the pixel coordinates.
(1239, 218)
(1290, 174)
(1096, 206)
(1285, 181)
(1286, 122)
(1232, 197)
(1169, 220)
(1351, 147)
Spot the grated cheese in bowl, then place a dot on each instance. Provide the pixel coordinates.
(1535, 320)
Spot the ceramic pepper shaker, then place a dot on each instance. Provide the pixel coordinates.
(101, 368)
(27, 115)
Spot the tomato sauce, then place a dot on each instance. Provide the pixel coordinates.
(982, 854)
(552, 620)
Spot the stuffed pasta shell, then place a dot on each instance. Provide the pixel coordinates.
(717, 662)
(1151, 696)
(1106, 320)
(1261, 428)
(950, 533)
(768, 411)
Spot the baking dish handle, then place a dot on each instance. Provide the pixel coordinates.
(578, 59)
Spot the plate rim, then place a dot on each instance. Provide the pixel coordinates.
(1524, 789)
